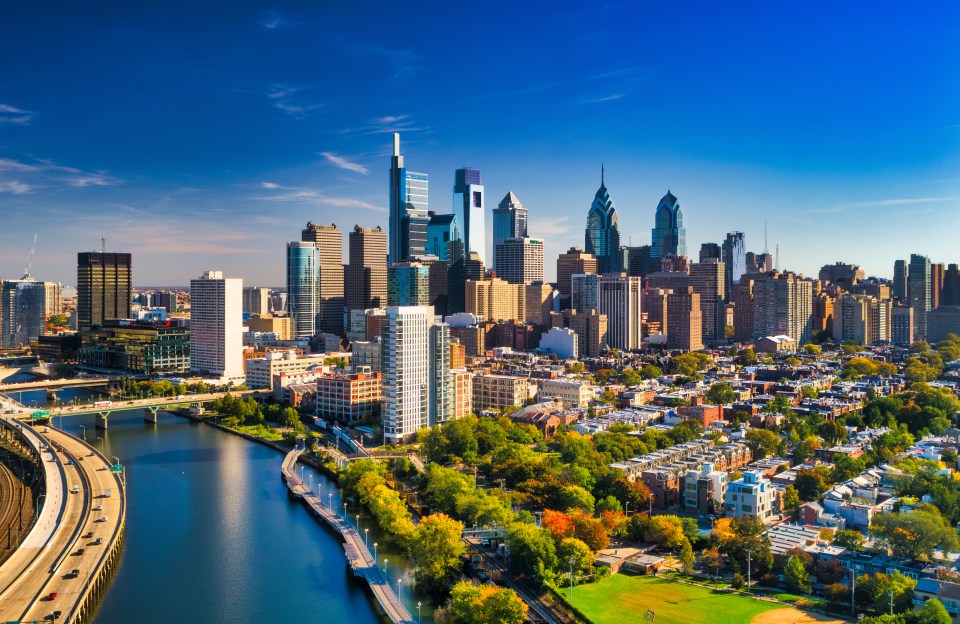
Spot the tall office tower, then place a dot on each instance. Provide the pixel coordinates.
(900, 273)
(365, 282)
(735, 260)
(574, 262)
(950, 295)
(902, 330)
(711, 251)
(602, 236)
(55, 299)
(256, 300)
(669, 235)
(743, 310)
(462, 268)
(409, 199)
(677, 264)
(685, 322)
(783, 306)
(844, 275)
(823, 312)
(104, 287)
(302, 282)
(584, 292)
(330, 300)
(538, 303)
(655, 309)
(937, 271)
(408, 371)
(441, 229)
(707, 280)
(863, 319)
(638, 261)
(441, 398)
(468, 205)
(408, 284)
(23, 312)
(520, 260)
(759, 263)
(216, 325)
(509, 221)
(619, 299)
(918, 291)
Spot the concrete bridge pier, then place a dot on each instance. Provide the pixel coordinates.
(150, 414)
(102, 420)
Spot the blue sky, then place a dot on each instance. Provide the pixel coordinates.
(200, 137)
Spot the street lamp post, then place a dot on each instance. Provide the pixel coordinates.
(330, 500)
(366, 536)
(384, 566)
(399, 589)
(419, 618)
(374, 552)
(358, 522)
(344, 514)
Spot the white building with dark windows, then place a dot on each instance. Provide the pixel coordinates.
(751, 495)
(618, 296)
(520, 260)
(216, 326)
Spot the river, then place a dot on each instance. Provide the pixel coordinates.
(212, 535)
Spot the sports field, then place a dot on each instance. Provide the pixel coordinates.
(622, 599)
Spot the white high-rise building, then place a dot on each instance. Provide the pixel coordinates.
(468, 205)
(520, 260)
(216, 326)
(415, 363)
(619, 298)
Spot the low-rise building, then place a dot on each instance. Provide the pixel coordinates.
(348, 397)
(499, 391)
(572, 392)
(752, 495)
(462, 392)
(261, 371)
(947, 593)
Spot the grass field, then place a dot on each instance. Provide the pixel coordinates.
(622, 599)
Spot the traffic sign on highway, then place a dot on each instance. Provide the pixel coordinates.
(116, 468)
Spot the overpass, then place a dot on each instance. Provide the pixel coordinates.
(103, 409)
(358, 555)
(65, 563)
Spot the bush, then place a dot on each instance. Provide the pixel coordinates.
(738, 581)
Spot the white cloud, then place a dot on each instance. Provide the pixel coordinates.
(608, 98)
(269, 185)
(283, 97)
(13, 115)
(312, 197)
(343, 163)
(884, 203)
(45, 173)
(15, 187)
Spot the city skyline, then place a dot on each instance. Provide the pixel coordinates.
(213, 154)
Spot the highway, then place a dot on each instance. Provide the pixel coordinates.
(60, 562)
(151, 402)
(359, 558)
(51, 384)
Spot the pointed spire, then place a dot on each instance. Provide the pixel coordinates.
(601, 175)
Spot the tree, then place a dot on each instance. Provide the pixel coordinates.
(914, 534)
(720, 394)
(806, 449)
(850, 539)
(474, 604)
(532, 552)
(711, 560)
(846, 467)
(686, 557)
(590, 531)
(810, 484)
(832, 431)
(581, 553)
(933, 612)
(747, 357)
(762, 442)
(630, 377)
(436, 548)
(690, 364)
(609, 503)
(651, 372)
(837, 594)
(791, 498)
(796, 575)
(575, 497)
(811, 349)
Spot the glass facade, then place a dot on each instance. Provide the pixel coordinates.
(734, 259)
(468, 205)
(440, 231)
(302, 284)
(409, 200)
(24, 312)
(104, 287)
(136, 347)
(669, 235)
(602, 236)
(509, 221)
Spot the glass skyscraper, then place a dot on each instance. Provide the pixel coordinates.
(734, 259)
(509, 221)
(440, 231)
(409, 198)
(602, 236)
(468, 205)
(303, 278)
(669, 235)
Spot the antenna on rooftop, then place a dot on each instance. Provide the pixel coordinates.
(765, 249)
(778, 258)
(103, 244)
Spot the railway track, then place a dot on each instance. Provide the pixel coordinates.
(13, 493)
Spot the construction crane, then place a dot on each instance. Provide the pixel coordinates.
(26, 267)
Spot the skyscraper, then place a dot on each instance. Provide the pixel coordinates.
(104, 287)
(710, 251)
(707, 279)
(734, 260)
(951, 286)
(520, 260)
(783, 306)
(442, 229)
(574, 262)
(918, 291)
(462, 268)
(602, 236)
(302, 283)
(23, 310)
(409, 199)
(256, 300)
(216, 326)
(415, 374)
(669, 235)
(900, 280)
(619, 298)
(685, 322)
(329, 242)
(509, 221)
(468, 205)
(366, 274)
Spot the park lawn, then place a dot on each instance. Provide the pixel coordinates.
(624, 599)
(261, 431)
